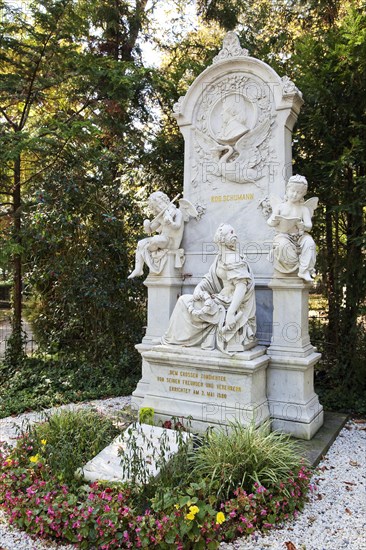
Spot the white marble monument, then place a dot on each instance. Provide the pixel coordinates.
(236, 119)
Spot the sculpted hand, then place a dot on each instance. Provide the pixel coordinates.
(230, 320)
(147, 227)
(301, 227)
(167, 218)
(199, 294)
(273, 220)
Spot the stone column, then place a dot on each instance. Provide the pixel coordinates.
(294, 406)
(163, 291)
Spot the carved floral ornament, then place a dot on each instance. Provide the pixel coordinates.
(289, 88)
(230, 48)
(177, 107)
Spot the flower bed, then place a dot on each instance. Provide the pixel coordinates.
(106, 517)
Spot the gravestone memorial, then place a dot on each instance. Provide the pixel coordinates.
(227, 333)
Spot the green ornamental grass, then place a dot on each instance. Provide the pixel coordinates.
(242, 455)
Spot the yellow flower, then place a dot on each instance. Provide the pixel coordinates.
(220, 518)
(176, 506)
(193, 510)
(34, 458)
(43, 441)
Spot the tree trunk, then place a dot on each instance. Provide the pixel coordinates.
(17, 262)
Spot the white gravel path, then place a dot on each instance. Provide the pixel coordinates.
(333, 519)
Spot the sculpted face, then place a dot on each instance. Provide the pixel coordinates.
(295, 191)
(158, 201)
(226, 235)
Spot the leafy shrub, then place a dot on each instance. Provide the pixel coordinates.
(72, 438)
(40, 383)
(241, 456)
(146, 415)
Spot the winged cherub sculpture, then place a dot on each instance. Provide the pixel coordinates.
(168, 223)
(293, 247)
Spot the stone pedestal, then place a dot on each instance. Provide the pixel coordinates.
(294, 406)
(210, 389)
(163, 291)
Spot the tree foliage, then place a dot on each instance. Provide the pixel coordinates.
(69, 102)
(330, 151)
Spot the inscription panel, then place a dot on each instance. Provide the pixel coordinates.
(200, 384)
(229, 198)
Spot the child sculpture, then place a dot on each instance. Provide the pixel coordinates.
(293, 246)
(168, 223)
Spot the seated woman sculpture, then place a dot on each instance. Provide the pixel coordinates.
(293, 247)
(221, 312)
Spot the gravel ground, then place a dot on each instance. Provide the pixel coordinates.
(333, 519)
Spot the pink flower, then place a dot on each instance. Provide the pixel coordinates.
(76, 525)
(243, 519)
(107, 508)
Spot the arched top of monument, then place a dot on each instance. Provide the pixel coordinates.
(233, 60)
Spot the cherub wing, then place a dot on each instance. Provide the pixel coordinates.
(253, 139)
(311, 204)
(187, 209)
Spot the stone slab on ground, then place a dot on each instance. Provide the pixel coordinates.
(318, 446)
(148, 443)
